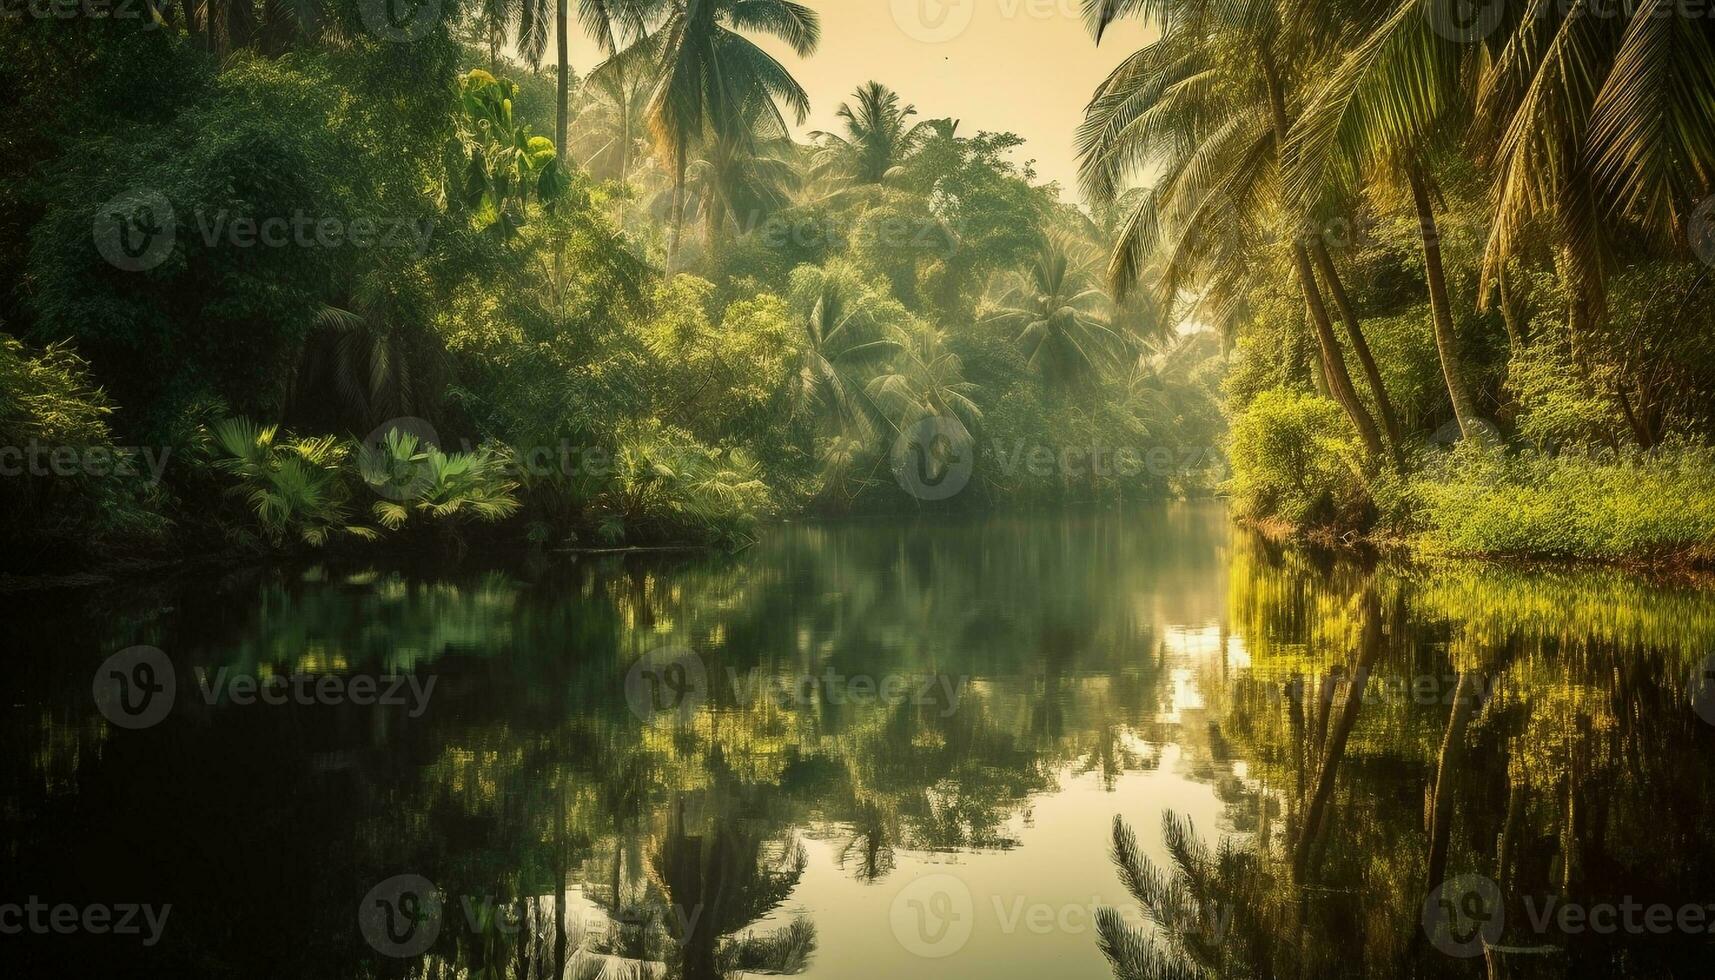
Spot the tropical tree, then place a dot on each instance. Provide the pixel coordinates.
(609, 22)
(714, 80)
(614, 115)
(924, 379)
(879, 134)
(1060, 318)
(1208, 103)
(1382, 109)
(843, 334)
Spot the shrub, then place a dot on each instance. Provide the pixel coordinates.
(665, 485)
(1295, 458)
(1610, 506)
(49, 405)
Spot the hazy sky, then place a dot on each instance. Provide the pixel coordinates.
(1025, 66)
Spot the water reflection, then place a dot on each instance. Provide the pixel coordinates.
(1255, 761)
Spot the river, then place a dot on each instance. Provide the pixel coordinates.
(988, 748)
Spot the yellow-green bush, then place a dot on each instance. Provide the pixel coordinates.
(1625, 506)
(1295, 458)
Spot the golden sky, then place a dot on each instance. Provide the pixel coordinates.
(1025, 66)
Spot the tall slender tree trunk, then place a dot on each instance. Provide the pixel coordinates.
(562, 104)
(1369, 651)
(625, 144)
(678, 207)
(1333, 359)
(1361, 347)
(1446, 342)
(1441, 805)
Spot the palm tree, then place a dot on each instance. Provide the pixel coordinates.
(1381, 109)
(743, 177)
(879, 135)
(713, 79)
(1059, 317)
(841, 336)
(1208, 100)
(925, 379)
(608, 21)
(615, 113)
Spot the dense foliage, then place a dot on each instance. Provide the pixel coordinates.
(1423, 227)
(349, 286)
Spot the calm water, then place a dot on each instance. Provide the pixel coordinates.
(866, 750)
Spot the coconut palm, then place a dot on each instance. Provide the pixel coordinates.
(1382, 109)
(607, 21)
(614, 116)
(1059, 317)
(1208, 102)
(841, 336)
(713, 79)
(879, 134)
(924, 379)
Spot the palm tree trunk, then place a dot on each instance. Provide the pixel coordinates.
(678, 206)
(1361, 347)
(625, 143)
(1333, 360)
(1369, 650)
(563, 104)
(1446, 342)
(1441, 806)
